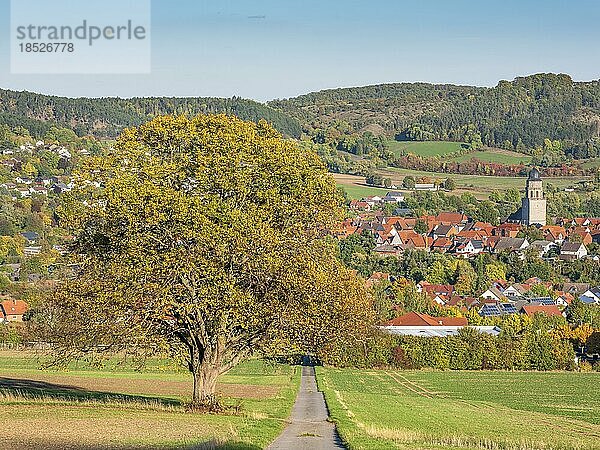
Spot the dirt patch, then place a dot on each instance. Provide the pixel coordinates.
(48, 382)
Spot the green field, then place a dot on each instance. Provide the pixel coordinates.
(356, 191)
(377, 409)
(591, 163)
(494, 155)
(119, 407)
(487, 183)
(479, 185)
(425, 148)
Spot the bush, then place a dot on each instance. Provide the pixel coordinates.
(469, 350)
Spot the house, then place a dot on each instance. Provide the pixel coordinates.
(583, 235)
(451, 218)
(591, 296)
(39, 190)
(12, 310)
(393, 197)
(442, 244)
(23, 192)
(372, 200)
(514, 291)
(23, 180)
(377, 277)
(572, 250)
(360, 205)
(507, 230)
(511, 244)
(425, 187)
(493, 293)
(554, 233)
(444, 230)
(389, 250)
(575, 288)
(497, 309)
(549, 310)
(445, 290)
(564, 299)
(31, 237)
(542, 247)
(32, 250)
(60, 187)
(417, 324)
(14, 271)
(469, 248)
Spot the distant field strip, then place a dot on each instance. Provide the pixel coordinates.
(425, 148)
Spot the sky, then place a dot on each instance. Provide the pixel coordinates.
(266, 49)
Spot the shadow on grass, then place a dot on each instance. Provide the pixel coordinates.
(54, 444)
(32, 389)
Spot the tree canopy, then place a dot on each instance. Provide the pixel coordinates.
(204, 238)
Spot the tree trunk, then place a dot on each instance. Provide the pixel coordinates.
(205, 382)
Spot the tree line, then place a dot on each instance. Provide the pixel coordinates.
(107, 117)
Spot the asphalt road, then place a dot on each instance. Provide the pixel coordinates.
(309, 428)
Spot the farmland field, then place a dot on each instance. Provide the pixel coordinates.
(495, 155)
(380, 409)
(591, 163)
(440, 148)
(479, 185)
(355, 186)
(75, 409)
(424, 148)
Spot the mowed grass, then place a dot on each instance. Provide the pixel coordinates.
(378, 409)
(425, 148)
(120, 407)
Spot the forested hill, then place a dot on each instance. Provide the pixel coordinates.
(522, 112)
(516, 115)
(106, 117)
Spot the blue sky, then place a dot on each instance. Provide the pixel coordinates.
(268, 49)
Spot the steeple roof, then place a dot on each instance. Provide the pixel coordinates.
(534, 174)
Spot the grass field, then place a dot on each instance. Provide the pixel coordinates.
(479, 185)
(440, 148)
(119, 407)
(356, 188)
(424, 148)
(484, 410)
(495, 155)
(591, 163)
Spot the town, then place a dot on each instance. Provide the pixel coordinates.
(300, 226)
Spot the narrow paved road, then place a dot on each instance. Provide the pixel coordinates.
(309, 428)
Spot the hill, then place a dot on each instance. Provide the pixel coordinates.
(513, 115)
(106, 117)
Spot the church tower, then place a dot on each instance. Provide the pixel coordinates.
(533, 206)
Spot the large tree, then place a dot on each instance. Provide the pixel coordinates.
(206, 238)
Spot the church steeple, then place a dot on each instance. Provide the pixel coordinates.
(533, 187)
(534, 205)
